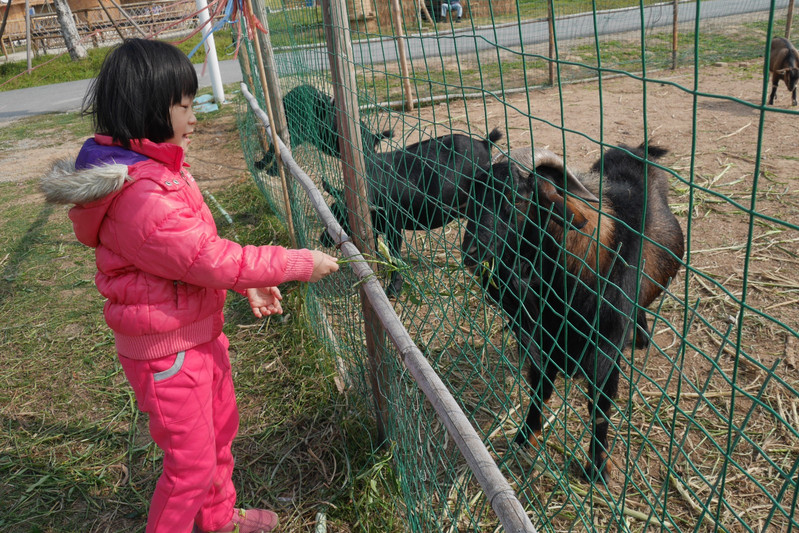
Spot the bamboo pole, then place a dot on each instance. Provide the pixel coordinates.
(262, 136)
(130, 19)
(402, 54)
(3, 25)
(425, 12)
(341, 57)
(113, 22)
(499, 494)
(272, 79)
(281, 171)
(674, 35)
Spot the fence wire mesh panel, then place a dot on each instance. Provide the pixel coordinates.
(649, 314)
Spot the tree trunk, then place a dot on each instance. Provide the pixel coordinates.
(69, 30)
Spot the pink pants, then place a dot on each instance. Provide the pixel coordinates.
(193, 419)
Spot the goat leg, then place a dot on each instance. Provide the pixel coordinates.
(599, 467)
(541, 394)
(642, 335)
(773, 94)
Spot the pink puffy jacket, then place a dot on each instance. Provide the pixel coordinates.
(160, 263)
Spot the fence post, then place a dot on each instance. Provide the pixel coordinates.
(263, 138)
(28, 34)
(789, 19)
(340, 55)
(281, 171)
(273, 82)
(551, 26)
(674, 35)
(403, 56)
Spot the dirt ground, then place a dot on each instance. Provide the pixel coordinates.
(715, 150)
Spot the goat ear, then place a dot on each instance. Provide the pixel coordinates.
(566, 208)
(573, 185)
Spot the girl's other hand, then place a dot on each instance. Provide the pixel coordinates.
(265, 301)
(323, 265)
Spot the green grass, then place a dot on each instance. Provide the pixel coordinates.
(75, 454)
(53, 127)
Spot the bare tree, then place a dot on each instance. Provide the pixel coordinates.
(69, 30)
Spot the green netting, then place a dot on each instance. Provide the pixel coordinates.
(703, 432)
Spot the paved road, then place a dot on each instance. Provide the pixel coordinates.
(63, 97)
(68, 96)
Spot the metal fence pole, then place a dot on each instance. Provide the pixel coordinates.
(551, 27)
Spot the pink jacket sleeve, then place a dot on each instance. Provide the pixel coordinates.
(179, 242)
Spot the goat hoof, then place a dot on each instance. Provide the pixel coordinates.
(523, 440)
(598, 470)
(394, 288)
(392, 291)
(641, 341)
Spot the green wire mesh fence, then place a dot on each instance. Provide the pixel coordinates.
(703, 430)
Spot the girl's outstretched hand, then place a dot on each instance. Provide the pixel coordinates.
(265, 301)
(323, 265)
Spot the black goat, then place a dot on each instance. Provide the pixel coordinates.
(571, 302)
(784, 65)
(311, 118)
(423, 186)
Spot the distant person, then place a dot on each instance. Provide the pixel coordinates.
(164, 272)
(451, 5)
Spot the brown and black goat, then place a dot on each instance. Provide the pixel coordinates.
(566, 271)
(783, 65)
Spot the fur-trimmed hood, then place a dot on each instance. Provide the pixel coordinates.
(100, 172)
(65, 184)
(101, 169)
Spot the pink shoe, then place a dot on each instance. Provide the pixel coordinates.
(250, 521)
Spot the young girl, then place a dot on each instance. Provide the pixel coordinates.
(164, 272)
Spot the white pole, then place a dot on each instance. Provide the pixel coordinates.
(210, 52)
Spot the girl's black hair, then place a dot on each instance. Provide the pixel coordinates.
(139, 81)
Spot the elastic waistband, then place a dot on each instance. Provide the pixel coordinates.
(157, 345)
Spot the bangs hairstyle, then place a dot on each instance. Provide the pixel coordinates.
(138, 83)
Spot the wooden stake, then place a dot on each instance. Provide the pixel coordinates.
(403, 56)
(281, 171)
(341, 57)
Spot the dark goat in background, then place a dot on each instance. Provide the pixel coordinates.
(568, 317)
(311, 118)
(422, 186)
(784, 65)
